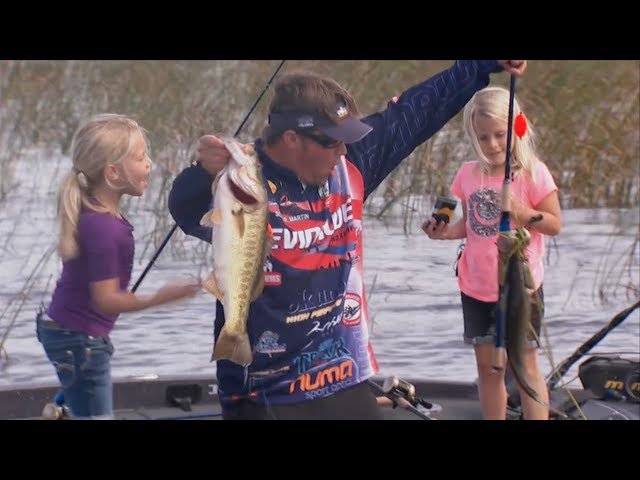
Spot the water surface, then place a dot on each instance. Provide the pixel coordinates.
(592, 273)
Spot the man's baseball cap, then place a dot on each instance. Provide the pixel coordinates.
(348, 129)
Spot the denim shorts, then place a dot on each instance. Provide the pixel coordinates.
(480, 320)
(83, 365)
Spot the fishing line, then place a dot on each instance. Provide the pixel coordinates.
(564, 386)
(175, 225)
(24, 294)
(500, 354)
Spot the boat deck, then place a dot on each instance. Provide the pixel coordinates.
(159, 399)
(455, 409)
(195, 398)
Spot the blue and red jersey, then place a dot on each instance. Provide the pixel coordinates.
(309, 330)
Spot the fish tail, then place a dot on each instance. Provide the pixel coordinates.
(233, 347)
(519, 377)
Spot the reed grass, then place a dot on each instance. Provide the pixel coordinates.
(586, 113)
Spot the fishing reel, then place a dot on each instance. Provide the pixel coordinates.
(395, 388)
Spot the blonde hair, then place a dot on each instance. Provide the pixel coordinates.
(493, 102)
(102, 140)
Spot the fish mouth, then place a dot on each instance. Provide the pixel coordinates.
(241, 195)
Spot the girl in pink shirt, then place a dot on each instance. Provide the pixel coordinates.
(478, 184)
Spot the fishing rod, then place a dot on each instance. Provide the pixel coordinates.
(175, 225)
(395, 388)
(555, 376)
(500, 355)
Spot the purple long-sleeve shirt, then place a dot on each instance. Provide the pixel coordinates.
(106, 251)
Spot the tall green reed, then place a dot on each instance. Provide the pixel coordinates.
(586, 113)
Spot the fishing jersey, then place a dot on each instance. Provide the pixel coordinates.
(309, 329)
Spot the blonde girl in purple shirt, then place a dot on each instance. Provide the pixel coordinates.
(110, 159)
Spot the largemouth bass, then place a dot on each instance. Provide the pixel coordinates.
(241, 244)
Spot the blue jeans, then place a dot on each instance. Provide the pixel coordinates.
(83, 366)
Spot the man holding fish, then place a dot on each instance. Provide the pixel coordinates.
(284, 216)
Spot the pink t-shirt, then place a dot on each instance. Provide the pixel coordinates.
(478, 265)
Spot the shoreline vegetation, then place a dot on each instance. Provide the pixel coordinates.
(586, 114)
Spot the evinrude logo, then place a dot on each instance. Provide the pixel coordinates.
(292, 239)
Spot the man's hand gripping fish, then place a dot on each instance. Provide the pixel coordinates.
(241, 244)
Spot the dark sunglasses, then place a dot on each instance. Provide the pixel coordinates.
(324, 141)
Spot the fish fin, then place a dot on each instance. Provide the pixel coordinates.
(205, 221)
(248, 149)
(233, 347)
(210, 284)
(212, 217)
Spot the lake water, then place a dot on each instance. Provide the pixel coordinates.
(592, 273)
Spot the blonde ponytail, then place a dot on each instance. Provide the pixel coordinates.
(101, 140)
(69, 204)
(73, 195)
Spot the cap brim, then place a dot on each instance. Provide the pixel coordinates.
(350, 130)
